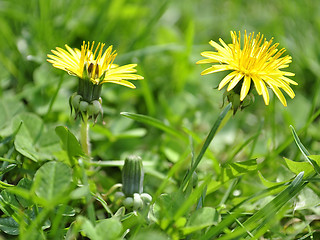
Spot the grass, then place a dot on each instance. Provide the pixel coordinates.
(243, 186)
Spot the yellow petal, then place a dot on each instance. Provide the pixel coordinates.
(120, 82)
(227, 79)
(235, 81)
(245, 87)
(257, 84)
(215, 68)
(288, 80)
(207, 60)
(265, 93)
(279, 94)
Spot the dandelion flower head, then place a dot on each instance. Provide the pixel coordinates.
(255, 60)
(93, 64)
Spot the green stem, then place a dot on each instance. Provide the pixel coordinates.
(206, 144)
(89, 199)
(84, 135)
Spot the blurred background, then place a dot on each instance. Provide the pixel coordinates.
(165, 38)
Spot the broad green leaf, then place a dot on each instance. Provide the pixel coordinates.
(80, 192)
(88, 228)
(25, 184)
(69, 143)
(155, 123)
(9, 108)
(200, 219)
(9, 226)
(10, 137)
(109, 229)
(307, 199)
(33, 140)
(150, 234)
(52, 179)
(315, 158)
(297, 167)
(233, 170)
(268, 183)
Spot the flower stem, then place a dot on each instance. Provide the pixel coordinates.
(216, 126)
(84, 135)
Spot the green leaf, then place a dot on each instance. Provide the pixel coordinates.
(200, 219)
(33, 140)
(233, 170)
(109, 229)
(268, 183)
(9, 108)
(304, 151)
(297, 167)
(8, 203)
(52, 179)
(315, 158)
(88, 228)
(69, 143)
(4, 185)
(9, 226)
(155, 123)
(307, 199)
(150, 234)
(25, 184)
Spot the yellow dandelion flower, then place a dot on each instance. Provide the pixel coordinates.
(257, 60)
(93, 64)
(93, 67)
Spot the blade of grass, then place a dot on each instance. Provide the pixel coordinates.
(265, 214)
(304, 151)
(155, 123)
(54, 97)
(192, 198)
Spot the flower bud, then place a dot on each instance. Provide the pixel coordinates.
(132, 176)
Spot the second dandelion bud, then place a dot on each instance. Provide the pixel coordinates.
(93, 67)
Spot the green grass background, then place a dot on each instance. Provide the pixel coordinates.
(165, 38)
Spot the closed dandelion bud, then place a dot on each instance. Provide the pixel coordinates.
(132, 176)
